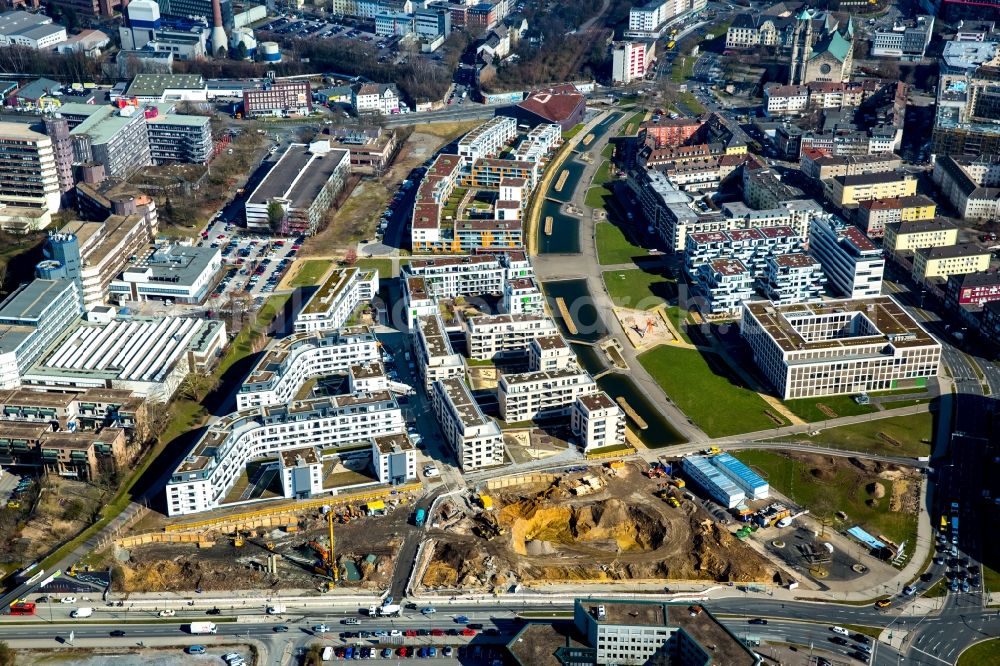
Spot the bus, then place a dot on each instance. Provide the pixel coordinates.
(22, 608)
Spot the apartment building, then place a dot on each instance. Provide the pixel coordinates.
(330, 306)
(550, 353)
(785, 100)
(487, 139)
(970, 183)
(911, 236)
(839, 347)
(180, 138)
(793, 278)
(304, 183)
(818, 165)
(435, 358)
(383, 98)
(475, 438)
(750, 30)
(493, 337)
(722, 285)
(750, 246)
(873, 215)
(542, 395)
(972, 290)
(29, 179)
(848, 191)
(630, 60)
(763, 188)
(945, 261)
(852, 263)
(91, 410)
(278, 98)
(597, 421)
(521, 296)
(84, 455)
(31, 318)
(906, 39)
(489, 172)
(537, 144)
(202, 481)
(672, 133)
(395, 459)
(292, 361)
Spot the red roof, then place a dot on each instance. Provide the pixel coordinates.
(555, 104)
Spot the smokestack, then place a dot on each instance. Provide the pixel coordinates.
(218, 32)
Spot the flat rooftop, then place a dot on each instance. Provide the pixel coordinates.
(324, 297)
(26, 304)
(728, 266)
(153, 85)
(299, 176)
(305, 455)
(795, 260)
(597, 401)
(173, 264)
(463, 402)
(952, 251)
(537, 643)
(388, 444)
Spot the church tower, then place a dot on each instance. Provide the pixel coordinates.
(802, 39)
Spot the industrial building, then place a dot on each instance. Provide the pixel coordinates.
(171, 273)
(304, 183)
(35, 31)
(31, 317)
(281, 373)
(330, 306)
(475, 438)
(839, 347)
(713, 481)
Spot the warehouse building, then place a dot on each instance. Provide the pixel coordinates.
(749, 481)
(713, 481)
(331, 305)
(839, 347)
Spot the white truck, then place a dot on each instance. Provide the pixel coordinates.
(202, 628)
(277, 609)
(388, 610)
(82, 612)
(327, 654)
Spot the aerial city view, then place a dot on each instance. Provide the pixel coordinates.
(500, 332)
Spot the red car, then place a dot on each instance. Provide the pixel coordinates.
(437, 632)
(221, 236)
(410, 633)
(468, 632)
(401, 652)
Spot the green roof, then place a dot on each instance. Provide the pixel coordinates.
(838, 47)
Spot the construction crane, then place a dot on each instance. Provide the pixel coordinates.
(331, 565)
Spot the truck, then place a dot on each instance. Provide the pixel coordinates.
(327, 654)
(277, 609)
(954, 524)
(202, 628)
(81, 613)
(419, 517)
(390, 610)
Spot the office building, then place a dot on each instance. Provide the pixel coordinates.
(475, 438)
(496, 337)
(31, 317)
(965, 121)
(971, 184)
(542, 395)
(848, 191)
(35, 31)
(873, 215)
(295, 194)
(291, 362)
(763, 188)
(948, 260)
(839, 347)
(29, 179)
(203, 480)
(187, 9)
(906, 39)
(170, 273)
(911, 236)
(116, 139)
(597, 421)
(713, 481)
(179, 138)
(278, 98)
(148, 356)
(852, 263)
(435, 358)
(330, 306)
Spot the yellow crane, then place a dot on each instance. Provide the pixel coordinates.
(331, 565)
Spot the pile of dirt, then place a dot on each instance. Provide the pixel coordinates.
(455, 565)
(184, 574)
(876, 490)
(610, 524)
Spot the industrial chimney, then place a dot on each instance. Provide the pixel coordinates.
(218, 32)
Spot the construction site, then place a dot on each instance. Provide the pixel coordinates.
(289, 553)
(616, 522)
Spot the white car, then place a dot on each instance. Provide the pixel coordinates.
(167, 612)
(432, 470)
(395, 632)
(68, 600)
(840, 630)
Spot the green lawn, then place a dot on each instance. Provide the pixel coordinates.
(569, 134)
(608, 152)
(808, 409)
(678, 318)
(699, 384)
(603, 174)
(691, 102)
(938, 589)
(635, 288)
(986, 653)
(895, 436)
(613, 247)
(242, 345)
(632, 126)
(683, 68)
(383, 266)
(596, 196)
(310, 273)
(840, 490)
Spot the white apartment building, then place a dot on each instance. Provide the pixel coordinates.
(28, 176)
(597, 421)
(416, 301)
(793, 278)
(369, 378)
(786, 100)
(448, 277)
(206, 475)
(301, 472)
(550, 353)
(797, 214)
(381, 98)
(839, 347)
(522, 296)
(630, 60)
(852, 263)
(970, 183)
(723, 285)
(490, 337)
(649, 17)
(31, 318)
(475, 438)
(279, 375)
(436, 359)
(538, 143)
(488, 139)
(394, 458)
(548, 394)
(751, 246)
(332, 304)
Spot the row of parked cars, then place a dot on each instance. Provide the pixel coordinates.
(425, 652)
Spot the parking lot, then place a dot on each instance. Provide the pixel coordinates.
(306, 26)
(254, 264)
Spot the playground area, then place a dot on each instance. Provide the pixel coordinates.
(645, 328)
